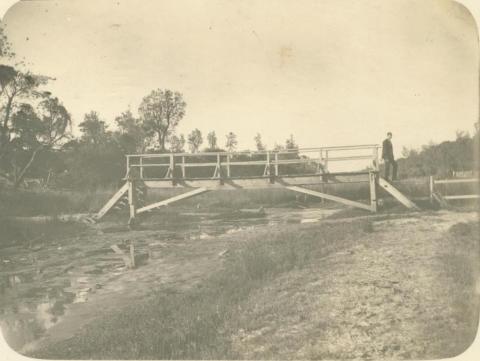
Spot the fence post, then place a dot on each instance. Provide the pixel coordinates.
(141, 167)
(373, 191)
(325, 162)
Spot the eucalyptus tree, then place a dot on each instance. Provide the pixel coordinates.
(160, 112)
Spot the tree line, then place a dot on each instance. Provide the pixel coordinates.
(36, 138)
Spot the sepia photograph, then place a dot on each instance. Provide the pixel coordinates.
(239, 180)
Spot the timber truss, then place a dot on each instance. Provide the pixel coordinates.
(295, 170)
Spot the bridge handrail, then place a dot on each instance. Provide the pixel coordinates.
(260, 152)
(271, 160)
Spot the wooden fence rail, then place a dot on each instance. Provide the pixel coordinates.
(435, 195)
(223, 162)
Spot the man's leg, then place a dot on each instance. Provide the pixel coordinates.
(387, 169)
(394, 170)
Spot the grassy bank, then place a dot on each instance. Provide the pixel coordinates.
(50, 202)
(199, 322)
(19, 232)
(269, 277)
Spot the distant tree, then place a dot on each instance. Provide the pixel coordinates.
(290, 143)
(177, 144)
(131, 136)
(5, 46)
(37, 131)
(258, 142)
(195, 140)
(231, 142)
(212, 141)
(94, 130)
(15, 88)
(96, 159)
(160, 112)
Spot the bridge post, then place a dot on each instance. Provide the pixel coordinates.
(373, 191)
(172, 169)
(183, 166)
(132, 201)
(432, 189)
(228, 165)
(276, 164)
(375, 159)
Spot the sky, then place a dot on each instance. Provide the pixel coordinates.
(330, 72)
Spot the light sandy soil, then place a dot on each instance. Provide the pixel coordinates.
(390, 296)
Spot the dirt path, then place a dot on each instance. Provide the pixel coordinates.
(390, 296)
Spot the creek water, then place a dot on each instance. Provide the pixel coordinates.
(40, 282)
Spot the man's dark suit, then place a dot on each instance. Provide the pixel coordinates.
(387, 155)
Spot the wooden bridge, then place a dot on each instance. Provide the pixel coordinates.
(293, 169)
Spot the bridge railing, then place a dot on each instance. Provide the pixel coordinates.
(247, 164)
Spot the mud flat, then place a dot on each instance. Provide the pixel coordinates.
(287, 284)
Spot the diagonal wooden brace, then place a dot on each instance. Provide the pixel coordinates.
(171, 200)
(330, 197)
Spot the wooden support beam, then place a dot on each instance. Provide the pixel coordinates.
(183, 167)
(132, 201)
(373, 191)
(228, 165)
(112, 201)
(432, 189)
(396, 194)
(330, 197)
(276, 164)
(171, 200)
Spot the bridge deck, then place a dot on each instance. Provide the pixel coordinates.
(291, 169)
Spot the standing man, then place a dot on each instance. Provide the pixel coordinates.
(389, 159)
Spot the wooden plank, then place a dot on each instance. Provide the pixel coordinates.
(112, 201)
(464, 196)
(260, 182)
(373, 191)
(396, 194)
(171, 200)
(132, 201)
(300, 150)
(449, 181)
(330, 197)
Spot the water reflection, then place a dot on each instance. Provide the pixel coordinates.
(37, 285)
